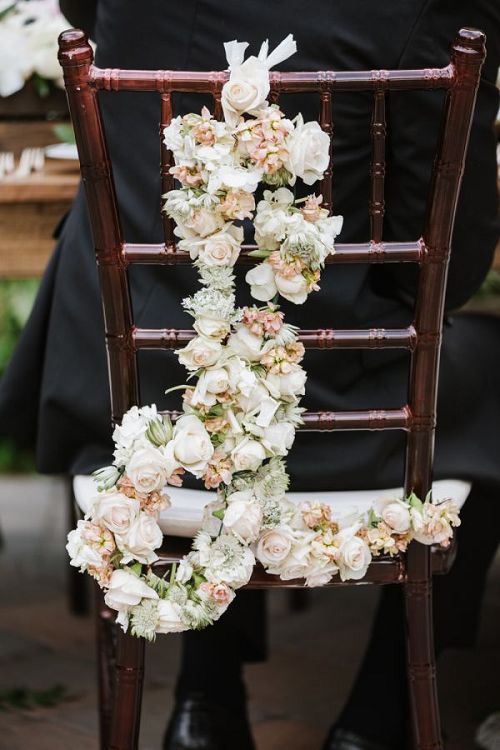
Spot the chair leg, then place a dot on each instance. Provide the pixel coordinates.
(127, 693)
(424, 705)
(106, 663)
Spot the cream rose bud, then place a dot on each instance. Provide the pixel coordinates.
(223, 248)
(262, 282)
(278, 438)
(213, 328)
(210, 383)
(200, 352)
(243, 516)
(125, 590)
(246, 344)
(286, 386)
(191, 445)
(308, 151)
(204, 222)
(142, 538)
(396, 514)
(147, 470)
(248, 455)
(293, 289)
(273, 547)
(246, 90)
(169, 620)
(116, 511)
(354, 556)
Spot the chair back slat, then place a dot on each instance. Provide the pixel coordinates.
(459, 79)
(377, 167)
(166, 162)
(326, 123)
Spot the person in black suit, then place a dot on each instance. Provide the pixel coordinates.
(54, 393)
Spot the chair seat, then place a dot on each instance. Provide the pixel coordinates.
(184, 517)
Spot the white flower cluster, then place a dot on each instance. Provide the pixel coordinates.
(242, 408)
(29, 30)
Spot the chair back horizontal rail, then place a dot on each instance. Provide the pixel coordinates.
(363, 252)
(364, 419)
(319, 338)
(207, 82)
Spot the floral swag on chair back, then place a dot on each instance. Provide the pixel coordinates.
(243, 407)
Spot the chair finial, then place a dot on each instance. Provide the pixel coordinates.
(74, 48)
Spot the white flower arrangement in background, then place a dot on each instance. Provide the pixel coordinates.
(242, 402)
(29, 30)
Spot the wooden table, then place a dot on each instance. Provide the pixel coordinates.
(31, 207)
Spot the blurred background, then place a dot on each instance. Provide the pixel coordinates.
(46, 633)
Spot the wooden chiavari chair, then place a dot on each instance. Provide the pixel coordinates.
(121, 655)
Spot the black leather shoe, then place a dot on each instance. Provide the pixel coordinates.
(341, 739)
(198, 724)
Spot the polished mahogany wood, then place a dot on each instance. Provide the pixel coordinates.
(363, 252)
(422, 338)
(320, 338)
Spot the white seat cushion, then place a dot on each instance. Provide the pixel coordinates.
(184, 516)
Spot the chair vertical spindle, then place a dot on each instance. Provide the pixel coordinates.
(217, 82)
(326, 123)
(167, 180)
(377, 167)
(127, 694)
(76, 57)
(468, 53)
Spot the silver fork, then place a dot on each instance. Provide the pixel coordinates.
(32, 160)
(6, 163)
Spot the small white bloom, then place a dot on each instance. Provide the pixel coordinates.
(246, 344)
(248, 455)
(140, 541)
(354, 555)
(395, 513)
(262, 282)
(191, 445)
(293, 288)
(243, 516)
(278, 438)
(169, 618)
(286, 386)
(126, 590)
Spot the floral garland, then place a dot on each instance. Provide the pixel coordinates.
(243, 405)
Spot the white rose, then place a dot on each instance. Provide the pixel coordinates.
(396, 514)
(248, 455)
(200, 352)
(286, 386)
(321, 577)
(246, 344)
(169, 620)
(210, 383)
(116, 511)
(125, 590)
(246, 90)
(354, 555)
(262, 282)
(214, 328)
(234, 178)
(278, 438)
(142, 538)
(243, 516)
(293, 289)
(82, 555)
(191, 445)
(308, 152)
(147, 470)
(273, 547)
(222, 249)
(255, 397)
(241, 378)
(204, 222)
(134, 425)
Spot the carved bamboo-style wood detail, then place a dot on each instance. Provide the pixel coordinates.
(460, 80)
(201, 82)
(326, 122)
(377, 167)
(363, 252)
(331, 421)
(166, 162)
(320, 338)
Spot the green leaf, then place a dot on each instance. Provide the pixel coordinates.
(136, 569)
(64, 131)
(219, 513)
(259, 253)
(41, 85)
(414, 501)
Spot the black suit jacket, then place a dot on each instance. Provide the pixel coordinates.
(55, 391)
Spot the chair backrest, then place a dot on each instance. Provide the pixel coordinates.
(431, 251)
